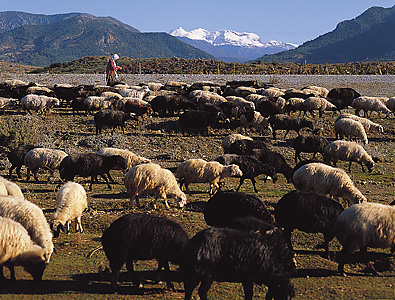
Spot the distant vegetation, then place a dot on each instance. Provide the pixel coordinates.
(97, 64)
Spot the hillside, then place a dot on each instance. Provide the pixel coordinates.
(41, 41)
(368, 37)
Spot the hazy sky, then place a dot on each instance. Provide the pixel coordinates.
(293, 21)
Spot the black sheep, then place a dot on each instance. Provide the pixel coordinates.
(227, 205)
(268, 108)
(111, 118)
(90, 165)
(250, 166)
(274, 159)
(245, 147)
(309, 144)
(342, 97)
(16, 157)
(308, 212)
(169, 104)
(142, 237)
(199, 119)
(137, 110)
(288, 123)
(246, 256)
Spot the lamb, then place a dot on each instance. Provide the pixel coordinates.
(365, 225)
(152, 177)
(230, 139)
(16, 157)
(309, 144)
(95, 103)
(348, 151)
(371, 104)
(308, 212)
(246, 256)
(111, 118)
(40, 103)
(11, 189)
(90, 165)
(32, 218)
(324, 179)
(288, 123)
(246, 147)
(45, 158)
(71, 203)
(142, 237)
(18, 249)
(248, 105)
(367, 124)
(199, 170)
(249, 166)
(130, 158)
(350, 129)
(254, 119)
(227, 205)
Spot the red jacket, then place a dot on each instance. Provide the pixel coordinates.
(111, 67)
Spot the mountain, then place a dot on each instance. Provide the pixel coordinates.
(41, 40)
(229, 45)
(368, 37)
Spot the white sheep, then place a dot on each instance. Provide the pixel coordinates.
(239, 101)
(201, 97)
(256, 98)
(154, 86)
(32, 218)
(324, 179)
(230, 139)
(371, 104)
(130, 158)
(11, 188)
(39, 90)
(136, 100)
(317, 90)
(366, 123)
(317, 103)
(6, 102)
(109, 94)
(272, 92)
(138, 92)
(348, 151)
(45, 158)
(18, 249)
(150, 177)
(243, 91)
(94, 103)
(350, 129)
(71, 203)
(365, 225)
(254, 119)
(3, 190)
(199, 171)
(40, 103)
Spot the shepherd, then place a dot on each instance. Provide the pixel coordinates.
(112, 69)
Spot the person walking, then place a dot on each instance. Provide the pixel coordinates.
(111, 70)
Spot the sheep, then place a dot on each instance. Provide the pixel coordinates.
(199, 119)
(318, 89)
(130, 158)
(390, 103)
(294, 104)
(136, 100)
(11, 189)
(342, 97)
(367, 124)
(230, 139)
(40, 103)
(142, 237)
(308, 212)
(137, 110)
(32, 218)
(152, 177)
(95, 103)
(40, 90)
(246, 256)
(90, 165)
(309, 144)
(274, 159)
(7, 102)
(45, 158)
(199, 170)
(200, 97)
(371, 104)
(248, 105)
(134, 93)
(71, 203)
(254, 119)
(111, 118)
(365, 225)
(316, 103)
(246, 147)
(227, 205)
(249, 166)
(244, 91)
(350, 129)
(288, 123)
(268, 108)
(113, 95)
(18, 249)
(348, 151)
(324, 179)
(272, 92)
(16, 157)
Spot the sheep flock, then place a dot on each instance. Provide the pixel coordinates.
(192, 145)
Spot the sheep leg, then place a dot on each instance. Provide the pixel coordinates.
(287, 237)
(10, 266)
(132, 274)
(248, 290)
(115, 268)
(165, 266)
(106, 180)
(363, 169)
(204, 287)
(286, 132)
(79, 225)
(349, 167)
(110, 177)
(253, 184)
(11, 169)
(189, 286)
(1, 273)
(241, 182)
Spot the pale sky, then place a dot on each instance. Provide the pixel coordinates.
(292, 21)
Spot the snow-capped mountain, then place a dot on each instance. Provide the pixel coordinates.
(229, 45)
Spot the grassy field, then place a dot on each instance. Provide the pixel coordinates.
(71, 274)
